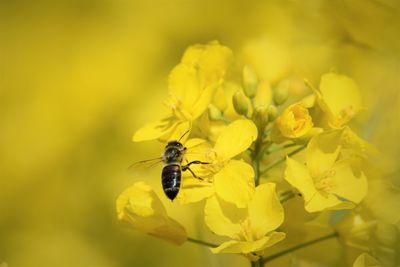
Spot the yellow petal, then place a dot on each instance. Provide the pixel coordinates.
(194, 190)
(139, 207)
(342, 96)
(153, 130)
(211, 60)
(265, 210)
(365, 260)
(218, 217)
(347, 185)
(246, 247)
(319, 202)
(235, 138)
(184, 85)
(322, 151)
(234, 183)
(201, 103)
(298, 176)
(180, 131)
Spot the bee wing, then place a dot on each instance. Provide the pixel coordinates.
(142, 166)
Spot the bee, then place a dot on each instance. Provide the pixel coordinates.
(172, 159)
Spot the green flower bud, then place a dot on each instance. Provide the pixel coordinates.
(250, 81)
(272, 112)
(260, 117)
(240, 103)
(281, 92)
(214, 113)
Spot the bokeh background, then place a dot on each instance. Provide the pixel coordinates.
(78, 77)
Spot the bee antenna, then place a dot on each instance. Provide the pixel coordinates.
(184, 135)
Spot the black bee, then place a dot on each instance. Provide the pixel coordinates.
(172, 172)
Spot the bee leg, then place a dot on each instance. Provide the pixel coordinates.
(196, 162)
(186, 167)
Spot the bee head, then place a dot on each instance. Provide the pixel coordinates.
(174, 151)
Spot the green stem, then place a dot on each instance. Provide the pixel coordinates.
(285, 196)
(300, 246)
(279, 161)
(256, 167)
(203, 243)
(256, 263)
(283, 147)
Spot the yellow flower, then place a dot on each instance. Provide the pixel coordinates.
(141, 209)
(338, 98)
(327, 181)
(365, 260)
(224, 176)
(294, 123)
(191, 85)
(251, 229)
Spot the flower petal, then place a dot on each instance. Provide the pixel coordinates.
(340, 93)
(319, 202)
(347, 185)
(220, 219)
(322, 151)
(265, 210)
(183, 84)
(202, 102)
(193, 190)
(246, 247)
(154, 130)
(235, 138)
(234, 183)
(365, 260)
(140, 208)
(298, 176)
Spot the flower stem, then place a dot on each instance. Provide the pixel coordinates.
(285, 196)
(303, 245)
(279, 161)
(201, 242)
(256, 263)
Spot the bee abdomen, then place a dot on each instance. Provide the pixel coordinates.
(171, 180)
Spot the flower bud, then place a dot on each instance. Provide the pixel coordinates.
(260, 117)
(281, 92)
(214, 113)
(272, 112)
(240, 103)
(250, 81)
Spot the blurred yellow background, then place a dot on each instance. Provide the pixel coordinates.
(78, 77)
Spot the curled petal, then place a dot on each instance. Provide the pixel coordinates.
(235, 138)
(234, 183)
(140, 208)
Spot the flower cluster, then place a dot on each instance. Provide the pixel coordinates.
(261, 144)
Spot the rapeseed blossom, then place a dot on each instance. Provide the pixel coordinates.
(191, 86)
(251, 229)
(235, 149)
(326, 181)
(227, 177)
(140, 208)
